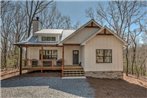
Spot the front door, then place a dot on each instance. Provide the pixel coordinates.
(75, 56)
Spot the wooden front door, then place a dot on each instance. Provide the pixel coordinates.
(75, 56)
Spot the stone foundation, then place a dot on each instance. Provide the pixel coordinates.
(105, 74)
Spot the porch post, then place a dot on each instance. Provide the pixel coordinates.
(62, 59)
(20, 60)
(26, 56)
(41, 58)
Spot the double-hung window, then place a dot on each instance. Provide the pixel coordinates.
(103, 55)
(44, 38)
(49, 54)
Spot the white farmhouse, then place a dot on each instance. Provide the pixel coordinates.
(91, 50)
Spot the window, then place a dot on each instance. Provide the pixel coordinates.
(103, 55)
(49, 54)
(48, 38)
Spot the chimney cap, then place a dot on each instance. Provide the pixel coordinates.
(37, 18)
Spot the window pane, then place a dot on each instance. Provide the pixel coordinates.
(99, 52)
(54, 52)
(107, 60)
(108, 52)
(49, 54)
(53, 38)
(48, 38)
(99, 59)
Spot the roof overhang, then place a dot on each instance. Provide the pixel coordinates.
(103, 28)
(37, 44)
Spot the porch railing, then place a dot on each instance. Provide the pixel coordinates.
(42, 63)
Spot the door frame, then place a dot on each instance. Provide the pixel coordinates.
(77, 59)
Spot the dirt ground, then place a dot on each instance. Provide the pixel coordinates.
(110, 88)
(32, 74)
(43, 74)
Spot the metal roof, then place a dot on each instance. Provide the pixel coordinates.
(34, 39)
(49, 31)
(66, 33)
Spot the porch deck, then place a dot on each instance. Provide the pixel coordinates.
(66, 71)
(54, 67)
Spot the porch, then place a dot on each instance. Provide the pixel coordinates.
(34, 64)
(52, 65)
(51, 57)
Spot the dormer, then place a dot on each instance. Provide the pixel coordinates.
(49, 35)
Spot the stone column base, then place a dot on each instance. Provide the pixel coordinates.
(105, 74)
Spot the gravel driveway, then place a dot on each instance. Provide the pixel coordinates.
(45, 87)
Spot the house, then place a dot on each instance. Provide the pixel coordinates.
(94, 48)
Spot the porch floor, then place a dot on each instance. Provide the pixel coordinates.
(52, 67)
(68, 70)
(42, 68)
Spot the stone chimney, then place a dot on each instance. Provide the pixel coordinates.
(35, 25)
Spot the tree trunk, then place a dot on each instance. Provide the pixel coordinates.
(134, 57)
(127, 61)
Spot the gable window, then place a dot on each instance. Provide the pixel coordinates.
(49, 54)
(103, 55)
(44, 38)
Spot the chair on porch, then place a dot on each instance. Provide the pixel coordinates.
(47, 63)
(34, 63)
(59, 62)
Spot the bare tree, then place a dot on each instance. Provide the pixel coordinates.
(134, 47)
(6, 27)
(90, 13)
(52, 18)
(32, 9)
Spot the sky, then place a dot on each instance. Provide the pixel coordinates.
(76, 9)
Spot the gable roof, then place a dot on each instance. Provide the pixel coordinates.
(83, 43)
(92, 20)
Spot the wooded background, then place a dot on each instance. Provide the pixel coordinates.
(128, 19)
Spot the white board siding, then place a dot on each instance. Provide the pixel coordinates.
(81, 35)
(82, 56)
(68, 54)
(33, 52)
(103, 42)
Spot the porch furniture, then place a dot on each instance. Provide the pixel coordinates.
(34, 63)
(47, 63)
(59, 62)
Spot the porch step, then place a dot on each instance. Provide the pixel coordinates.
(73, 72)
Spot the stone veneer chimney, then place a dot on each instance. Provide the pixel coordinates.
(35, 25)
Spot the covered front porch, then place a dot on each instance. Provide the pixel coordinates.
(47, 57)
